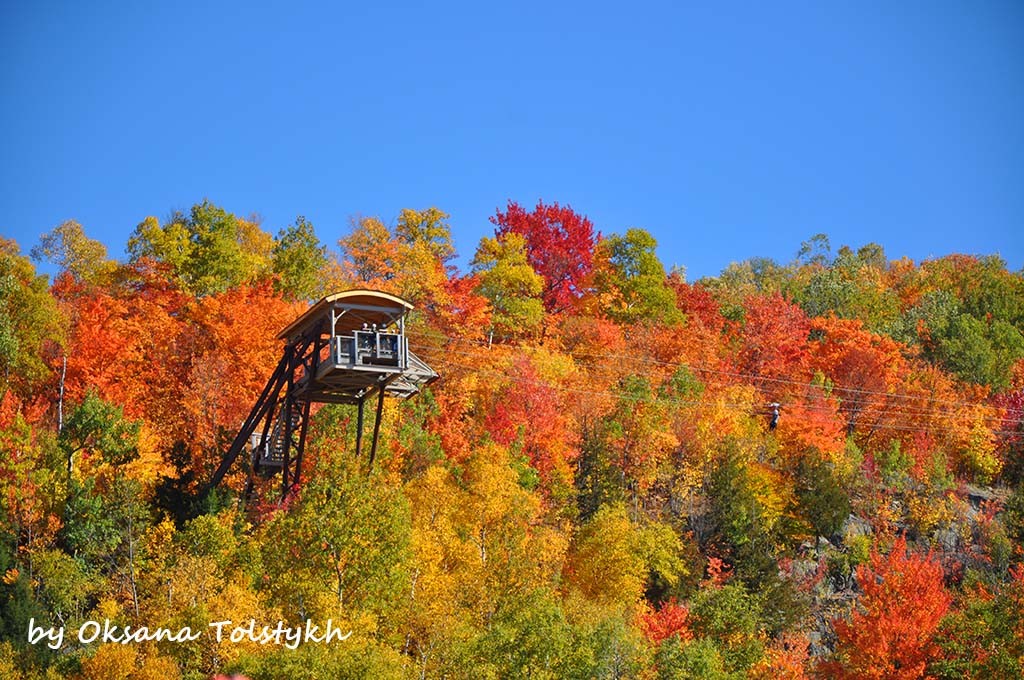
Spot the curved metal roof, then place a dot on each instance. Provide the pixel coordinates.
(359, 306)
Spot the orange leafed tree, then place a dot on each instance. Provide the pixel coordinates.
(785, 659)
(863, 366)
(698, 303)
(670, 619)
(530, 409)
(236, 348)
(890, 633)
(773, 341)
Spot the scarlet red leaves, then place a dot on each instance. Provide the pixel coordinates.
(559, 247)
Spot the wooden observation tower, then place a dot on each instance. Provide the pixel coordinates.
(347, 348)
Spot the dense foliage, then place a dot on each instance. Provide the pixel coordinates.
(596, 488)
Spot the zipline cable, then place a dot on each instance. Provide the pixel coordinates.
(753, 376)
(933, 414)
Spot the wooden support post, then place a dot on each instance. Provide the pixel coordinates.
(376, 424)
(286, 459)
(286, 416)
(300, 447)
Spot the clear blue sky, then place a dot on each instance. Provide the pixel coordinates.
(728, 133)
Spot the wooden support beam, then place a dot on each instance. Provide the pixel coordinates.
(286, 415)
(376, 424)
(300, 447)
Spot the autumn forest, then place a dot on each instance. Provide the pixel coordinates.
(802, 469)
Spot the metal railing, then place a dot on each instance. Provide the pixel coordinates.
(370, 348)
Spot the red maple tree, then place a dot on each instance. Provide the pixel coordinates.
(559, 247)
(670, 619)
(890, 634)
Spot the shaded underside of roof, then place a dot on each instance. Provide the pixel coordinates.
(355, 308)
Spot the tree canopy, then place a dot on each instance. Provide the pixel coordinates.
(797, 469)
